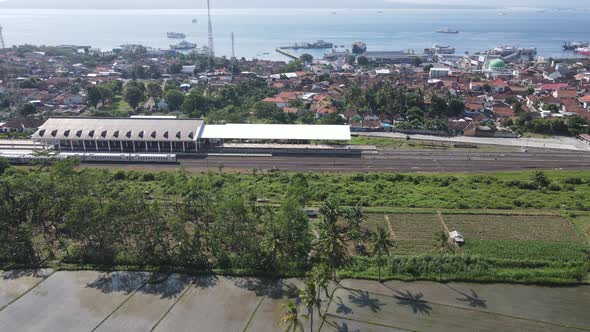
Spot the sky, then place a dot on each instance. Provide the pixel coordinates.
(132, 4)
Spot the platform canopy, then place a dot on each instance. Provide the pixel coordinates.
(281, 132)
(120, 129)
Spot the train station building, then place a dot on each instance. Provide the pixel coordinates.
(170, 135)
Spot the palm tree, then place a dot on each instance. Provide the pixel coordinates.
(330, 210)
(320, 276)
(381, 243)
(355, 218)
(291, 316)
(309, 298)
(442, 244)
(331, 243)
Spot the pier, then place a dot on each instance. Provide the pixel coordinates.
(287, 52)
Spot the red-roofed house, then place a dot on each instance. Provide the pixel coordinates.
(570, 94)
(503, 111)
(585, 100)
(499, 86)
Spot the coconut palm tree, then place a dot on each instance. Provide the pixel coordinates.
(381, 243)
(330, 210)
(291, 318)
(442, 244)
(355, 230)
(331, 243)
(309, 297)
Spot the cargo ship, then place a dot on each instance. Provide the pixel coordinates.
(573, 45)
(176, 35)
(359, 47)
(447, 30)
(183, 46)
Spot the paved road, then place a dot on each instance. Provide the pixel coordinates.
(385, 161)
(125, 301)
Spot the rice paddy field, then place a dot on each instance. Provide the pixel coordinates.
(515, 236)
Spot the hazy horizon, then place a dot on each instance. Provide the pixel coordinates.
(192, 4)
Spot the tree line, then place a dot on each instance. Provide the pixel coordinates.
(59, 213)
(396, 101)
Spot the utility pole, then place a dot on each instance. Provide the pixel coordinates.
(211, 41)
(233, 46)
(2, 44)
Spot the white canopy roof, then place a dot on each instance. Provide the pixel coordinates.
(277, 132)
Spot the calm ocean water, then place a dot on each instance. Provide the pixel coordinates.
(259, 31)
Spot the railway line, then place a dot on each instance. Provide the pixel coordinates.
(384, 161)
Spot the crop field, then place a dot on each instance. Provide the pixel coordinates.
(520, 228)
(414, 233)
(514, 237)
(526, 250)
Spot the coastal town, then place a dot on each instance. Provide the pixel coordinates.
(307, 166)
(504, 92)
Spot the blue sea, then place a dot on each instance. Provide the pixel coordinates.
(259, 31)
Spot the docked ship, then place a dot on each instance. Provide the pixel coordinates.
(440, 49)
(573, 45)
(359, 47)
(583, 50)
(447, 30)
(183, 46)
(176, 35)
(320, 44)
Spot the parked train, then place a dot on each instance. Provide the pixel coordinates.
(27, 158)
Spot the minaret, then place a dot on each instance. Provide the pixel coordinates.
(211, 41)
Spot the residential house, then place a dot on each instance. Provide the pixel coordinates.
(21, 124)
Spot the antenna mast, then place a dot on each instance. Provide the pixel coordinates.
(2, 44)
(233, 46)
(211, 41)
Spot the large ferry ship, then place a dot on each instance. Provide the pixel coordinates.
(176, 35)
(183, 46)
(320, 44)
(573, 45)
(359, 47)
(447, 30)
(583, 50)
(440, 49)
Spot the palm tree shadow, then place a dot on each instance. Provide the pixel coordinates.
(414, 301)
(343, 327)
(363, 299)
(472, 300)
(342, 308)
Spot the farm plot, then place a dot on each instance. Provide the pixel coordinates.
(414, 233)
(518, 228)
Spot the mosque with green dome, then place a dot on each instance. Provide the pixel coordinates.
(494, 68)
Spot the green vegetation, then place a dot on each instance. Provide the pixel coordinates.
(571, 126)
(64, 216)
(526, 250)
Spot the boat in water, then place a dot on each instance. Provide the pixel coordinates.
(359, 47)
(447, 30)
(583, 50)
(320, 44)
(440, 49)
(573, 45)
(183, 46)
(195, 20)
(176, 35)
